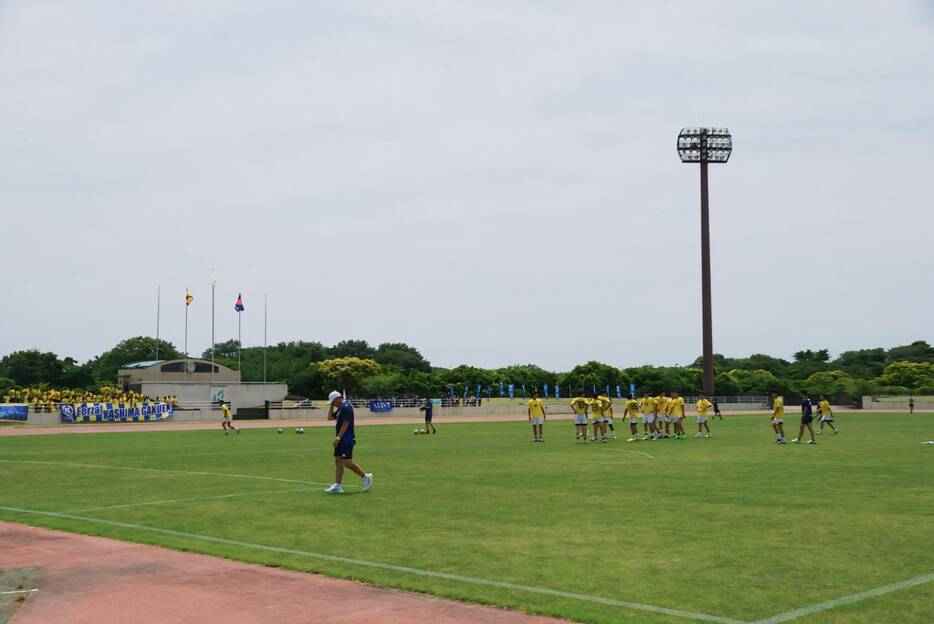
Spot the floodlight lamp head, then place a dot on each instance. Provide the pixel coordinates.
(705, 145)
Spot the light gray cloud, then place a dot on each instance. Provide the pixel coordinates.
(491, 182)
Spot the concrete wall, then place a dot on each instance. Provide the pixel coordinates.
(896, 404)
(239, 394)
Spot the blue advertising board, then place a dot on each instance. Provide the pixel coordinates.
(14, 412)
(114, 412)
(380, 406)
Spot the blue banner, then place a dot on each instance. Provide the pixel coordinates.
(114, 412)
(465, 390)
(478, 391)
(501, 393)
(546, 391)
(619, 391)
(607, 390)
(14, 412)
(512, 391)
(632, 389)
(557, 391)
(380, 406)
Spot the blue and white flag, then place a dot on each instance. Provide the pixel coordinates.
(595, 389)
(619, 391)
(501, 393)
(557, 391)
(546, 391)
(607, 390)
(512, 391)
(523, 391)
(465, 390)
(478, 391)
(632, 389)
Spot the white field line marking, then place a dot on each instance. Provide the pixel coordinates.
(389, 566)
(640, 453)
(836, 602)
(188, 500)
(19, 591)
(166, 470)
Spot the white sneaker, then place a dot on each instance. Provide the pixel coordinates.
(697, 435)
(337, 488)
(796, 441)
(812, 442)
(367, 481)
(782, 441)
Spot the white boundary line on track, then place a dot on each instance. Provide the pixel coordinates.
(389, 566)
(837, 602)
(188, 500)
(19, 591)
(166, 470)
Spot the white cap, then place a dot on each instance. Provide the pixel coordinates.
(334, 395)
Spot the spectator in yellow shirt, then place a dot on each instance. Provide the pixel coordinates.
(537, 417)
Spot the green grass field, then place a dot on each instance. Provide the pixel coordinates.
(734, 527)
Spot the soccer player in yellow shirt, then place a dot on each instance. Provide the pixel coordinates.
(580, 405)
(607, 415)
(649, 409)
(778, 418)
(227, 419)
(632, 412)
(676, 414)
(826, 414)
(537, 417)
(596, 417)
(703, 405)
(661, 414)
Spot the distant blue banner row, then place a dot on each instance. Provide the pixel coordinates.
(113, 412)
(14, 412)
(380, 406)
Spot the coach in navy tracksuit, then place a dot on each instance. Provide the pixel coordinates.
(342, 411)
(807, 417)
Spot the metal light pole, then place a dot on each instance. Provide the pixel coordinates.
(703, 146)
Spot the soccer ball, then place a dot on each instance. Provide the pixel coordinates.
(423, 431)
(279, 429)
(300, 430)
(415, 431)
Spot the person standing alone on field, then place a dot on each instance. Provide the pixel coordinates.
(227, 419)
(826, 414)
(807, 417)
(427, 408)
(342, 411)
(778, 418)
(716, 409)
(911, 405)
(537, 417)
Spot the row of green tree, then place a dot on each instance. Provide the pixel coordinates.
(390, 369)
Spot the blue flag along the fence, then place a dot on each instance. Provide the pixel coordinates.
(478, 391)
(619, 391)
(595, 388)
(489, 392)
(501, 392)
(632, 389)
(239, 305)
(608, 390)
(465, 390)
(512, 391)
(557, 391)
(546, 391)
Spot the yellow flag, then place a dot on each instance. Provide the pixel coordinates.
(188, 298)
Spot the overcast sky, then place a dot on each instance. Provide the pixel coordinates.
(491, 182)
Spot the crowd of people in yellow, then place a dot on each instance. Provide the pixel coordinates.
(48, 398)
(662, 416)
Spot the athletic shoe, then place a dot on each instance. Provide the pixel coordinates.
(698, 434)
(367, 481)
(796, 441)
(337, 488)
(812, 442)
(782, 442)
(707, 436)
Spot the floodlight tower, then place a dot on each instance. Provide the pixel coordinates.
(705, 145)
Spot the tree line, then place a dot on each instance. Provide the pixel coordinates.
(312, 369)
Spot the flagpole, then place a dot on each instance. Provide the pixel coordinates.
(239, 345)
(186, 329)
(265, 306)
(213, 280)
(158, 309)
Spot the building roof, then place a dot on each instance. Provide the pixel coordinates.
(145, 364)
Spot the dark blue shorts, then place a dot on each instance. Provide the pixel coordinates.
(427, 417)
(807, 419)
(344, 451)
